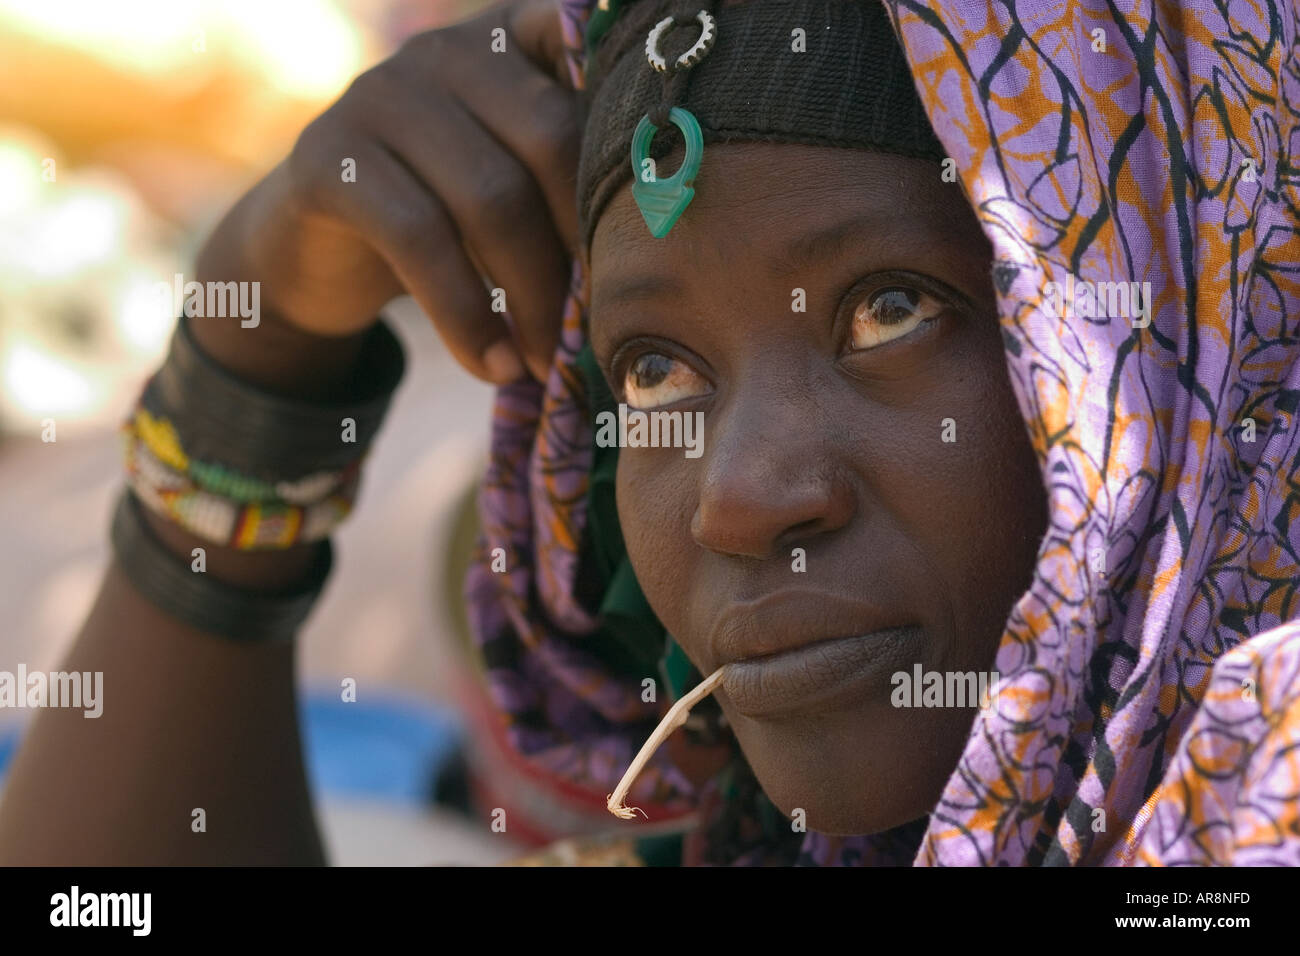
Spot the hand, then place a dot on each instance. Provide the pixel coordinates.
(465, 161)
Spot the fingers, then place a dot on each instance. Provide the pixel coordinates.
(466, 152)
(497, 208)
(523, 108)
(535, 26)
(398, 216)
(541, 128)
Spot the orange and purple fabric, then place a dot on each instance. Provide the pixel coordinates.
(1149, 710)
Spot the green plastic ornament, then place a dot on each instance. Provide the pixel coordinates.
(662, 201)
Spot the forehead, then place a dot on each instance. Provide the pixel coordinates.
(782, 206)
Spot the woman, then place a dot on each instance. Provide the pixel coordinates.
(1106, 527)
(1167, 541)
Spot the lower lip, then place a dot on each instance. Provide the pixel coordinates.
(819, 675)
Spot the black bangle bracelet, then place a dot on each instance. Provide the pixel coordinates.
(167, 581)
(221, 418)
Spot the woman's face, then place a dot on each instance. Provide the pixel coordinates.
(832, 315)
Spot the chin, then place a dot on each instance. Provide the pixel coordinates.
(854, 773)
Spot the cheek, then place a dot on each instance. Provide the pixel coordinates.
(655, 495)
(974, 505)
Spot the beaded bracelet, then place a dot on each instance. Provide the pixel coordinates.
(160, 438)
(244, 468)
(235, 520)
(253, 470)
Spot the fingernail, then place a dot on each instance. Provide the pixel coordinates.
(502, 363)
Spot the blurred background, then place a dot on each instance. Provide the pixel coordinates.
(126, 129)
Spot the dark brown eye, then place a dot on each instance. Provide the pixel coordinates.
(891, 313)
(649, 370)
(656, 379)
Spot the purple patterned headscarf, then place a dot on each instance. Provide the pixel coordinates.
(1149, 709)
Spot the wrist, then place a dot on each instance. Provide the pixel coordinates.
(252, 570)
(279, 357)
(258, 480)
(269, 348)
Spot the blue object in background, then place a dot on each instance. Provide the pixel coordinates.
(8, 745)
(391, 747)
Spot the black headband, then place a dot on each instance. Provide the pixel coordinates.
(843, 82)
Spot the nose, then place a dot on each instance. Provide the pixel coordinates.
(772, 478)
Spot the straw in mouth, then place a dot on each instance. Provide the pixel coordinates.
(675, 718)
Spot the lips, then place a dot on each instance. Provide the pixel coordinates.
(800, 651)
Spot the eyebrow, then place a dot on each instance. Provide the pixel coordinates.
(817, 245)
(828, 242)
(638, 287)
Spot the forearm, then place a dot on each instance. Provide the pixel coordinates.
(274, 353)
(190, 721)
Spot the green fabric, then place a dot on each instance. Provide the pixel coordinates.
(629, 628)
(660, 851)
(599, 23)
(675, 667)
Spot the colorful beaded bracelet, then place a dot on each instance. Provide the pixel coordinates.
(159, 436)
(245, 525)
(242, 467)
(245, 468)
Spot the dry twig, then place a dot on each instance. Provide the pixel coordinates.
(675, 717)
